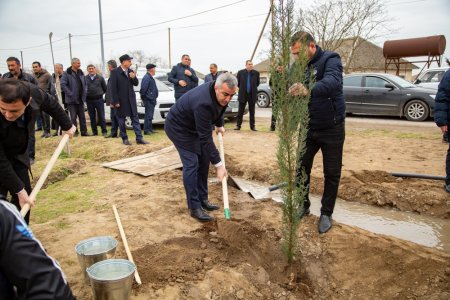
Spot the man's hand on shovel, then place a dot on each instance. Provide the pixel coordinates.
(221, 172)
(24, 198)
(71, 131)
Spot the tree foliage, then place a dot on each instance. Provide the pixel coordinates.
(331, 22)
(292, 119)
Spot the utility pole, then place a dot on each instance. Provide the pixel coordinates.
(21, 57)
(170, 55)
(101, 36)
(260, 35)
(70, 47)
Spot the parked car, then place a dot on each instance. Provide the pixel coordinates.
(431, 77)
(264, 97)
(163, 104)
(385, 94)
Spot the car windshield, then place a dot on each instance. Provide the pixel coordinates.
(400, 81)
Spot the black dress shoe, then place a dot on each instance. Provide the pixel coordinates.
(86, 134)
(237, 128)
(201, 215)
(110, 136)
(46, 135)
(253, 129)
(126, 142)
(142, 142)
(209, 206)
(324, 223)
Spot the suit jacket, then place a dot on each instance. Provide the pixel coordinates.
(69, 86)
(188, 124)
(122, 92)
(242, 84)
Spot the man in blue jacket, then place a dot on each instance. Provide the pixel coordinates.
(442, 118)
(183, 77)
(26, 271)
(326, 130)
(149, 94)
(188, 125)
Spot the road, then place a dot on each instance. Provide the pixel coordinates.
(395, 121)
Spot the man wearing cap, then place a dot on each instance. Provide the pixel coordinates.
(124, 99)
(149, 93)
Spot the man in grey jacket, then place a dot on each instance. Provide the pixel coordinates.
(73, 84)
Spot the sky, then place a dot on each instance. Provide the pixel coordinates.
(225, 36)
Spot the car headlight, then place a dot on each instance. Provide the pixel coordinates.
(433, 96)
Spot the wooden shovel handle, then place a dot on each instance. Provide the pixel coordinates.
(45, 173)
(125, 244)
(226, 205)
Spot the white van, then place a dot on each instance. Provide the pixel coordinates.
(431, 77)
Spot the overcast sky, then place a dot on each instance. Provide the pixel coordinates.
(225, 36)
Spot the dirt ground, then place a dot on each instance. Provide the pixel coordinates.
(179, 258)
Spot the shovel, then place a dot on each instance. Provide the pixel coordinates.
(45, 173)
(255, 190)
(226, 206)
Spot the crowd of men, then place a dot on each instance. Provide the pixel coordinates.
(24, 96)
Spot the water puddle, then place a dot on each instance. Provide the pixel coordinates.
(420, 229)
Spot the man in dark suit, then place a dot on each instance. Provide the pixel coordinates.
(188, 125)
(248, 81)
(124, 98)
(149, 93)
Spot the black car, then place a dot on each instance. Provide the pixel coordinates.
(389, 95)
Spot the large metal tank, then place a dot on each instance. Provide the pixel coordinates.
(424, 46)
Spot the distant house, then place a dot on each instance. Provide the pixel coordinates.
(368, 58)
(264, 69)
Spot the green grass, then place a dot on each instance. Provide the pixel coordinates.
(65, 197)
(392, 133)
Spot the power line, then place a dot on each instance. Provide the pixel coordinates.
(31, 47)
(167, 21)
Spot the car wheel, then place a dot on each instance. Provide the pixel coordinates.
(263, 100)
(128, 123)
(416, 110)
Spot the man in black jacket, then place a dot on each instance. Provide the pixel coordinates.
(248, 81)
(183, 77)
(96, 87)
(26, 271)
(112, 110)
(73, 84)
(15, 72)
(19, 102)
(188, 126)
(326, 130)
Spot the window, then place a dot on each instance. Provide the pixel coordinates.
(375, 82)
(354, 81)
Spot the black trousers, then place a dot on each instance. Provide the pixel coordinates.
(45, 121)
(77, 111)
(21, 172)
(331, 142)
(96, 108)
(251, 109)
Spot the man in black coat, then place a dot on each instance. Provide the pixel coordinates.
(248, 81)
(112, 110)
(123, 79)
(26, 271)
(188, 125)
(19, 103)
(326, 129)
(96, 87)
